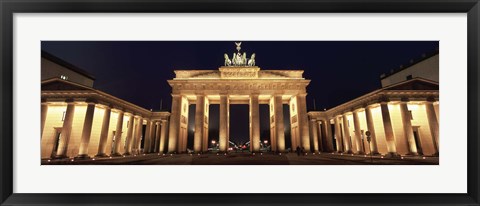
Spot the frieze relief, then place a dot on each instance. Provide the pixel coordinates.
(294, 119)
(239, 74)
(183, 119)
(238, 86)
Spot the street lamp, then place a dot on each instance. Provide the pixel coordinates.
(213, 144)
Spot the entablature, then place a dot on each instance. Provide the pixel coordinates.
(100, 98)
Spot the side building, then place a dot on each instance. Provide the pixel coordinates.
(80, 121)
(402, 117)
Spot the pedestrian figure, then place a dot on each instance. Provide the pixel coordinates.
(303, 151)
(298, 150)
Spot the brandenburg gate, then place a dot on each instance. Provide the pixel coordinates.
(239, 81)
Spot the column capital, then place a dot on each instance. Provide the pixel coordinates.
(430, 99)
(356, 110)
(69, 101)
(346, 112)
(404, 100)
(128, 113)
(383, 99)
(91, 101)
(120, 111)
(106, 106)
(370, 106)
(302, 94)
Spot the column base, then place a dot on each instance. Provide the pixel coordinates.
(60, 157)
(376, 153)
(436, 154)
(82, 157)
(392, 155)
(127, 154)
(101, 155)
(348, 152)
(360, 153)
(412, 154)
(116, 155)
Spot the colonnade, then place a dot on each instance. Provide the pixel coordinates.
(392, 135)
(109, 135)
(179, 122)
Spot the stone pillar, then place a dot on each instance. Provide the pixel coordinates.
(228, 123)
(433, 124)
(338, 135)
(66, 130)
(199, 123)
(279, 125)
(138, 135)
(358, 133)
(104, 133)
(44, 111)
(118, 134)
(157, 137)
(163, 136)
(314, 131)
(205, 128)
(148, 135)
(173, 131)
(387, 125)
(129, 138)
(151, 131)
(304, 132)
(255, 123)
(409, 139)
(321, 137)
(87, 131)
(371, 129)
(347, 138)
(327, 134)
(223, 139)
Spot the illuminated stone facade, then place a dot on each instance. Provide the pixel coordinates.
(402, 119)
(238, 85)
(79, 121)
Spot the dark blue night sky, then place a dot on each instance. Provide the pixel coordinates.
(136, 71)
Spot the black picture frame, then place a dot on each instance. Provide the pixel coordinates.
(10, 7)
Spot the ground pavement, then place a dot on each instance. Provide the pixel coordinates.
(233, 158)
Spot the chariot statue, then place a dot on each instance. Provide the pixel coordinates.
(251, 61)
(239, 59)
(228, 62)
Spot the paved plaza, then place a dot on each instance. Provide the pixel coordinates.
(248, 159)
